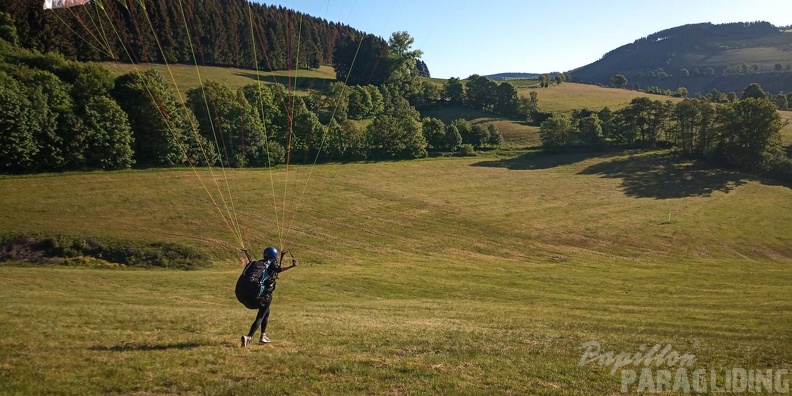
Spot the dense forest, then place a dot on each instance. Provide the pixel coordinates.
(221, 33)
(696, 36)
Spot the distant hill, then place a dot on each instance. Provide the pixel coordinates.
(701, 57)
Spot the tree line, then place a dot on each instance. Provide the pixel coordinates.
(782, 100)
(743, 134)
(695, 35)
(59, 115)
(481, 93)
(56, 115)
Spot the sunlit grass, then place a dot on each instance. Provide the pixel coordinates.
(470, 275)
(571, 96)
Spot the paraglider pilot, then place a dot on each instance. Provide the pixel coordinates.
(255, 286)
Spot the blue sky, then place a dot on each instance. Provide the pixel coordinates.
(460, 38)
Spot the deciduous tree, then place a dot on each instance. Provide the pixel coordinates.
(753, 90)
(165, 132)
(395, 137)
(749, 134)
(507, 103)
(454, 91)
(554, 134)
(434, 131)
(228, 121)
(109, 138)
(619, 80)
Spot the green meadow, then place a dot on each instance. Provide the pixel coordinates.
(566, 97)
(479, 275)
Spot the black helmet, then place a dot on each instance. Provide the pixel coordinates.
(270, 253)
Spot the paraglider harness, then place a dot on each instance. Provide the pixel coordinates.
(254, 289)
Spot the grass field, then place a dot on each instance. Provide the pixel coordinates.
(524, 83)
(480, 275)
(462, 275)
(186, 77)
(570, 96)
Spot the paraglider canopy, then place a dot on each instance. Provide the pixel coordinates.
(52, 4)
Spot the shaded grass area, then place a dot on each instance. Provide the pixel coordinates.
(449, 113)
(301, 83)
(654, 174)
(665, 176)
(524, 84)
(186, 77)
(530, 205)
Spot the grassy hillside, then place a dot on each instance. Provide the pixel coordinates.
(570, 96)
(658, 59)
(478, 275)
(188, 77)
(171, 204)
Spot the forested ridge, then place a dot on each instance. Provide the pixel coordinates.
(701, 57)
(223, 33)
(701, 36)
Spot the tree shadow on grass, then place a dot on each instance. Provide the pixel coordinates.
(666, 175)
(146, 347)
(538, 159)
(315, 83)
